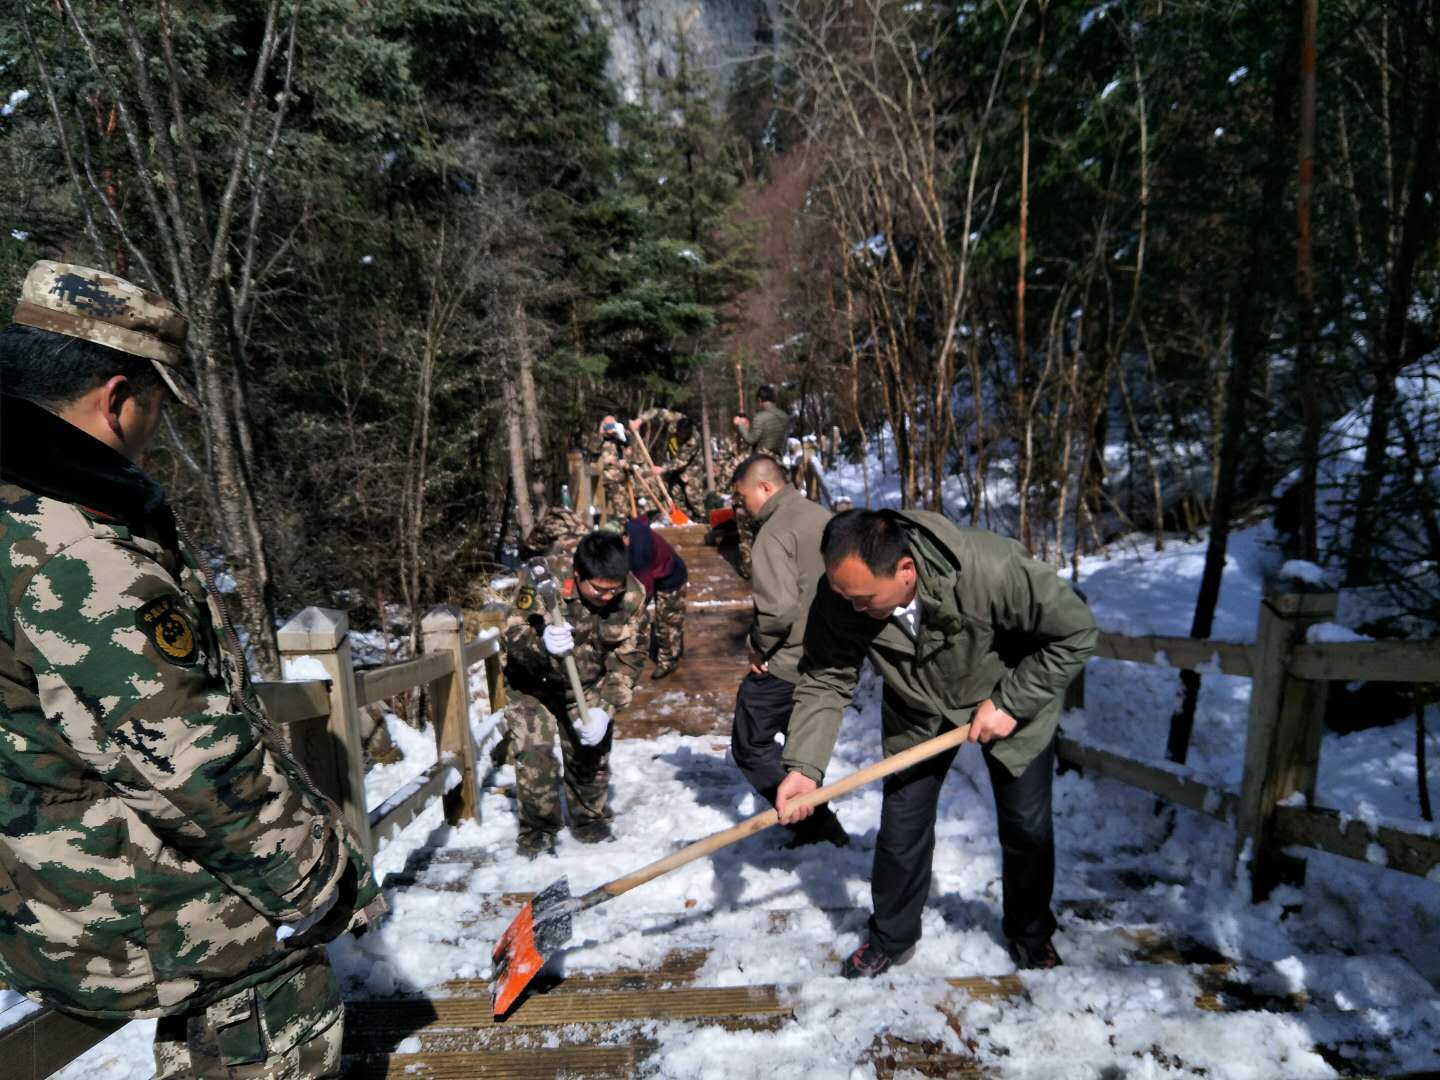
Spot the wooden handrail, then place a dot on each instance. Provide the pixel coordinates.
(1373, 661)
(295, 702)
(383, 683)
(1223, 657)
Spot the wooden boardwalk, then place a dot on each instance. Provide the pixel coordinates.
(595, 1024)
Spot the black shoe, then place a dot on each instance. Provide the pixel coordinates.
(821, 827)
(661, 670)
(1040, 957)
(533, 845)
(592, 832)
(866, 962)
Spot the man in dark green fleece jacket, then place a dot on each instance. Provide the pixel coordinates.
(963, 627)
(786, 568)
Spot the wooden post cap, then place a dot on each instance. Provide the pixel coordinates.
(313, 629)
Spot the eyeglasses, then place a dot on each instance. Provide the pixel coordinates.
(606, 594)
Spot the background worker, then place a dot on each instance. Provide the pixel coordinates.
(607, 628)
(157, 839)
(659, 568)
(787, 568)
(963, 627)
(763, 435)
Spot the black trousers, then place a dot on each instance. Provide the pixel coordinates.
(762, 711)
(905, 847)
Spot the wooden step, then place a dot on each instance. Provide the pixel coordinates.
(414, 1015)
(529, 1064)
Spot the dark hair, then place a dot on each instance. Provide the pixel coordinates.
(765, 393)
(758, 467)
(53, 370)
(601, 555)
(684, 428)
(875, 538)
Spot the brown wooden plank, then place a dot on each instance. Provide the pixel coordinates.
(678, 967)
(383, 683)
(295, 702)
(536, 1064)
(1410, 853)
(551, 1010)
(1152, 778)
(1375, 661)
(1180, 652)
(387, 820)
(49, 1040)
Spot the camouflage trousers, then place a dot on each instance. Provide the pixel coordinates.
(534, 724)
(669, 624)
(688, 490)
(617, 499)
(288, 1028)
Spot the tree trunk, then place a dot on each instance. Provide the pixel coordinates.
(1390, 358)
(529, 399)
(514, 427)
(1248, 343)
(705, 438)
(1308, 383)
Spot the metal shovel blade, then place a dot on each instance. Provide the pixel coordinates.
(540, 929)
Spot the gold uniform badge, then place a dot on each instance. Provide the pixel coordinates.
(525, 598)
(169, 629)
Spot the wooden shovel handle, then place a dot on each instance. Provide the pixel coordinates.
(665, 495)
(556, 617)
(761, 822)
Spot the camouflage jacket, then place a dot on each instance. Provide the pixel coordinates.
(674, 455)
(558, 531)
(610, 644)
(154, 832)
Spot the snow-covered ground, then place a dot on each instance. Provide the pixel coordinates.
(1361, 941)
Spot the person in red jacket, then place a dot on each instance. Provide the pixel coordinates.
(660, 569)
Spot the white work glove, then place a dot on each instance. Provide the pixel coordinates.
(591, 727)
(559, 640)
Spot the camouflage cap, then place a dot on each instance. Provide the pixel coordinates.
(95, 306)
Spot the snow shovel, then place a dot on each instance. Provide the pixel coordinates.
(544, 924)
(544, 583)
(677, 516)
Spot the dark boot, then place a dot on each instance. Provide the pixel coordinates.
(663, 669)
(1040, 957)
(596, 831)
(534, 844)
(867, 961)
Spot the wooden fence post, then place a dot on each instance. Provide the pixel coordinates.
(325, 634)
(580, 485)
(1282, 747)
(442, 630)
(492, 617)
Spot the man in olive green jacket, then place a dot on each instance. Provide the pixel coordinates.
(766, 433)
(962, 627)
(786, 569)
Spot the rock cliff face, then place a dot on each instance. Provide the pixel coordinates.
(722, 34)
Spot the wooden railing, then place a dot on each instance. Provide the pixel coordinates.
(1282, 749)
(320, 719)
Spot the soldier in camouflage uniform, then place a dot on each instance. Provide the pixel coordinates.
(607, 629)
(161, 854)
(615, 470)
(681, 460)
(558, 532)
